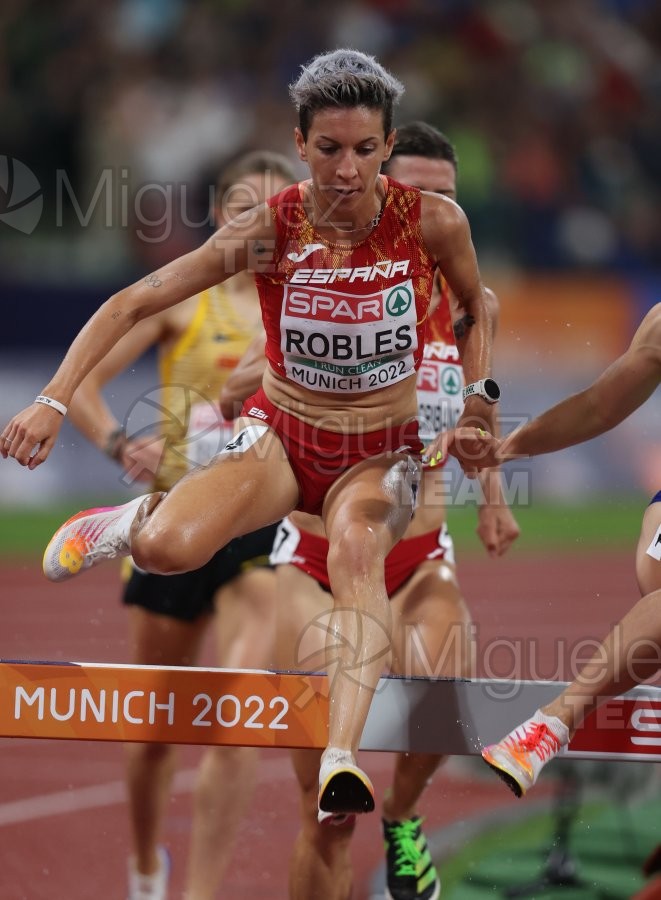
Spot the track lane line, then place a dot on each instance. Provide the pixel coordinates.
(113, 793)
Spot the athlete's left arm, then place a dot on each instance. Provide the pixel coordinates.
(447, 235)
(496, 527)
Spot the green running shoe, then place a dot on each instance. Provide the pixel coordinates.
(410, 872)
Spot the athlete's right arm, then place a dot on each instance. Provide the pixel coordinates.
(88, 410)
(622, 388)
(243, 243)
(617, 392)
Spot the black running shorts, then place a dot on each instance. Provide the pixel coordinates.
(191, 595)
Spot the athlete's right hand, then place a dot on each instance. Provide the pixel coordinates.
(31, 435)
(141, 457)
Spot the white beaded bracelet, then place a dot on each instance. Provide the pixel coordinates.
(48, 401)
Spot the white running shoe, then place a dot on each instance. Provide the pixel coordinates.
(344, 789)
(150, 887)
(521, 756)
(88, 538)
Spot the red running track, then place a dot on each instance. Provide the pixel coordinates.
(63, 822)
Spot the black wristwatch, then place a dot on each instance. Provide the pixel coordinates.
(487, 388)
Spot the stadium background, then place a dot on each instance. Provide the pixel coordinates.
(114, 119)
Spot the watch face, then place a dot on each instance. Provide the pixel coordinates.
(491, 389)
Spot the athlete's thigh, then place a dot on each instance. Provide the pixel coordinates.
(377, 491)
(160, 640)
(303, 612)
(238, 492)
(648, 552)
(432, 631)
(245, 620)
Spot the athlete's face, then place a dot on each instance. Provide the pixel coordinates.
(435, 175)
(344, 150)
(246, 193)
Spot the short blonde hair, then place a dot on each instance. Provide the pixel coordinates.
(344, 78)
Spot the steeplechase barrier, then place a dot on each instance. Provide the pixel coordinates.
(101, 702)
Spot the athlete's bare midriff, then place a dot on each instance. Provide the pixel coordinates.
(345, 413)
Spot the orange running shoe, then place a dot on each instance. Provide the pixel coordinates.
(88, 538)
(521, 756)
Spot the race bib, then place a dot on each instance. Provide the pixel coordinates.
(440, 383)
(336, 341)
(285, 543)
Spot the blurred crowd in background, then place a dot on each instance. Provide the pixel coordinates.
(117, 115)
(555, 108)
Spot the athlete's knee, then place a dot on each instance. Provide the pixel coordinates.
(232, 770)
(157, 553)
(356, 550)
(159, 544)
(165, 549)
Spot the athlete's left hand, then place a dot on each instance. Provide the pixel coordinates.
(436, 453)
(141, 457)
(497, 528)
(473, 447)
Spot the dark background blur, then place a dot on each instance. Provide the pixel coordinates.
(116, 116)
(554, 107)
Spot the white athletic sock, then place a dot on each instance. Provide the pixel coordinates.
(128, 517)
(333, 756)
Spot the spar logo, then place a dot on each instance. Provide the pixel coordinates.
(332, 306)
(450, 381)
(398, 301)
(427, 378)
(432, 376)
